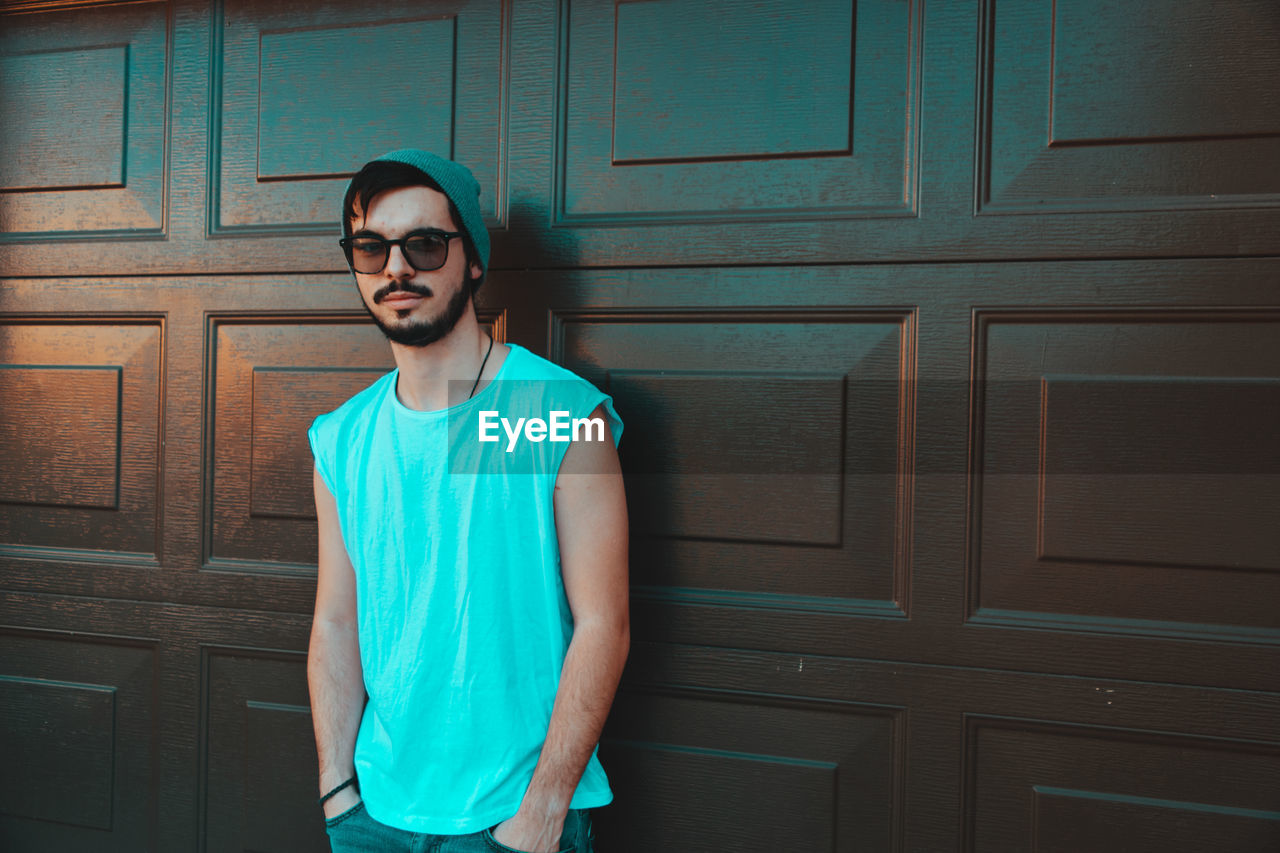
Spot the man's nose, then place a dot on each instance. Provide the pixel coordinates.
(398, 265)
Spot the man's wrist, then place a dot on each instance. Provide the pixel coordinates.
(330, 778)
(344, 800)
(338, 788)
(544, 805)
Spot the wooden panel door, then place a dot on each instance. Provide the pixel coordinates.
(945, 337)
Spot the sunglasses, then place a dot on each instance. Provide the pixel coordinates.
(425, 250)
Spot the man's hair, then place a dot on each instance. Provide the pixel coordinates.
(381, 175)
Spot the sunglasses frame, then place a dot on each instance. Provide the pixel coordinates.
(347, 246)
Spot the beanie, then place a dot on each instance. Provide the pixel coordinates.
(459, 185)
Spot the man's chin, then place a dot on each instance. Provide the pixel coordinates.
(413, 331)
(410, 331)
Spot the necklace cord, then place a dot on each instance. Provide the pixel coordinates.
(476, 384)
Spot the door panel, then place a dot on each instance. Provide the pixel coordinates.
(85, 130)
(1124, 484)
(307, 94)
(731, 110)
(944, 342)
(1093, 107)
(80, 719)
(80, 439)
(764, 465)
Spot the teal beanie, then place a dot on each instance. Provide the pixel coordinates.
(459, 185)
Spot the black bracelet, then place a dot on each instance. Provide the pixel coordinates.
(331, 794)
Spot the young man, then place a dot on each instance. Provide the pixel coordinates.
(475, 588)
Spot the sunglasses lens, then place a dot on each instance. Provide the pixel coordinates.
(427, 251)
(368, 254)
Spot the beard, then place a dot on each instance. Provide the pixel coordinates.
(421, 333)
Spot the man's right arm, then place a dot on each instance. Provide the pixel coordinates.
(333, 661)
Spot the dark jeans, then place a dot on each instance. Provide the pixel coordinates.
(354, 831)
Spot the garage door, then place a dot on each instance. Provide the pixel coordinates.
(946, 335)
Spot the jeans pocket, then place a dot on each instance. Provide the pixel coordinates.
(576, 837)
(339, 819)
(496, 845)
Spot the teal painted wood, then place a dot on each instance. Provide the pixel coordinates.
(83, 125)
(50, 91)
(306, 95)
(1097, 111)
(1199, 76)
(775, 134)
(326, 99)
(881, 599)
(731, 81)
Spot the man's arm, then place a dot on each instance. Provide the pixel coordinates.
(591, 525)
(333, 662)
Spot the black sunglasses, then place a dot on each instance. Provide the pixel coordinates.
(425, 250)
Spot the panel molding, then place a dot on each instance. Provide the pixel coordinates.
(132, 203)
(86, 706)
(127, 532)
(1156, 802)
(1180, 771)
(1055, 173)
(109, 66)
(645, 107)
(893, 574)
(105, 440)
(231, 527)
(838, 766)
(984, 320)
(243, 201)
(694, 597)
(256, 751)
(636, 179)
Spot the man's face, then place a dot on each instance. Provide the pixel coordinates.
(411, 307)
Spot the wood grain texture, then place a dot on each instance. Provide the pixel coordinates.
(1053, 787)
(305, 100)
(66, 732)
(736, 481)
(271, 379)
(260, 777)
(731, 81)
(315, 90)
(1155, 72)
(60, 438)
(749, 775)
(518, 140)
(841, 616)
(628, 156)
(79, 718)
(83, 119)
(1090, 109)
(44, 92)
(1147, 497)
(82, 402)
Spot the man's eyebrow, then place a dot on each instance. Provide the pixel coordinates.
(365, 232)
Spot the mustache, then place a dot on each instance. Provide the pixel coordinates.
(402, 287)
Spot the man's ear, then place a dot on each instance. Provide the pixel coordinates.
(475, 271)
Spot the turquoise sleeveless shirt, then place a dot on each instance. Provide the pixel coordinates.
(463, 619)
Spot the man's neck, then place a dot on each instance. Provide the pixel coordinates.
(441, 374)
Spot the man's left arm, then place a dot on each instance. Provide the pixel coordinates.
(591, 525)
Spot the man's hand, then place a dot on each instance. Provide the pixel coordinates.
(334, 675)
(591, 526)
(529, 834)
(345, 799)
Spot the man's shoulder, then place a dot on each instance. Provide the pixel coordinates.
(358, 408)
(548, 386)
(525, 365)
